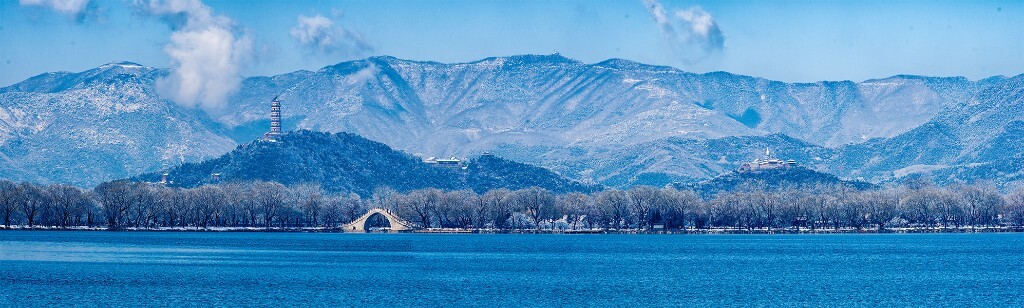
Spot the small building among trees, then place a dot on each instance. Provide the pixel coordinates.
(444, 162)
(766, 163)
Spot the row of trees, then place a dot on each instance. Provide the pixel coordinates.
(121, 204)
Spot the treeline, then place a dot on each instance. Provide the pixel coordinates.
(122, 204)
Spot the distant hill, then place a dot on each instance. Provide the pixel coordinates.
(346, 162)
(638, 164)
(772, 179)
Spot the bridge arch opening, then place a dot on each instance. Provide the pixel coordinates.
(377, 222)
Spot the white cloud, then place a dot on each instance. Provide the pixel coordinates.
(364, 75)
(321, 34)
(316, 30)
(692, 33)
(67, 7)
(701, 23)
(207, 53)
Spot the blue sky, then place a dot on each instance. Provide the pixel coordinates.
(796, 41)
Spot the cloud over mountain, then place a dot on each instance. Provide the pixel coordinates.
(692, 33)
(207, 52)
(321, 34)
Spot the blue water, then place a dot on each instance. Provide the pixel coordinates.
(254, 269)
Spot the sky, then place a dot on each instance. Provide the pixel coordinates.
(209, 44)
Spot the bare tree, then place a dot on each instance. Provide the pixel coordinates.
(854, 210)
(767, 204)
(269, 199)
(232, 213)
(67, 200)
(536, 203)
(835, 207)
(206, 201)
(445, 209)
(248, 203)
(723, 209)
(115, 198)
(949, 207)
(90, 209)
(164, 209)
(33, 200)
(594, 215)
(496, 208)
(334, 211)
(480, 211)
(678, 208)
(792, 211)
(574, 207)
(981, 204)
(641, 200)
(615, 203)
(310, 199)
(10, 198)
(353, 207)
(461, 204)
(1014, 207)
(882, 206)
(143, 208)
(386, 198)
(420, 204)
(183, 204)
(748, 209)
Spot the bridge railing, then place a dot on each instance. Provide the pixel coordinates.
(388, 214)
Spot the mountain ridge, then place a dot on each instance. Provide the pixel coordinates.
(539, 109)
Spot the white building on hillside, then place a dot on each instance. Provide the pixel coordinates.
(765, 163)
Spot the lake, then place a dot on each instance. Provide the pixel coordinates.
(53, 268)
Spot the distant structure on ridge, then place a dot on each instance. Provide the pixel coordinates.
(275, 121)
(765, 163)
(444, 162)
(166, 173)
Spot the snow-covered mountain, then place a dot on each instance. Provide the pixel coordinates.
(553, 100)
(100, 124)
(974, 139)
(616, 122)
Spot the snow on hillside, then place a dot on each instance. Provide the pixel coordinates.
(618, 121)
(97, 125)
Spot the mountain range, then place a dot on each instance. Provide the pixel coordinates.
(616, 122)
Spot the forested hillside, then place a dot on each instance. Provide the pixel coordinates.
(790, 178)
(346, 162)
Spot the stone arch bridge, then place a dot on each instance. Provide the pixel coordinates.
(397, 224)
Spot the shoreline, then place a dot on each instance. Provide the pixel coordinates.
(725, 231)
